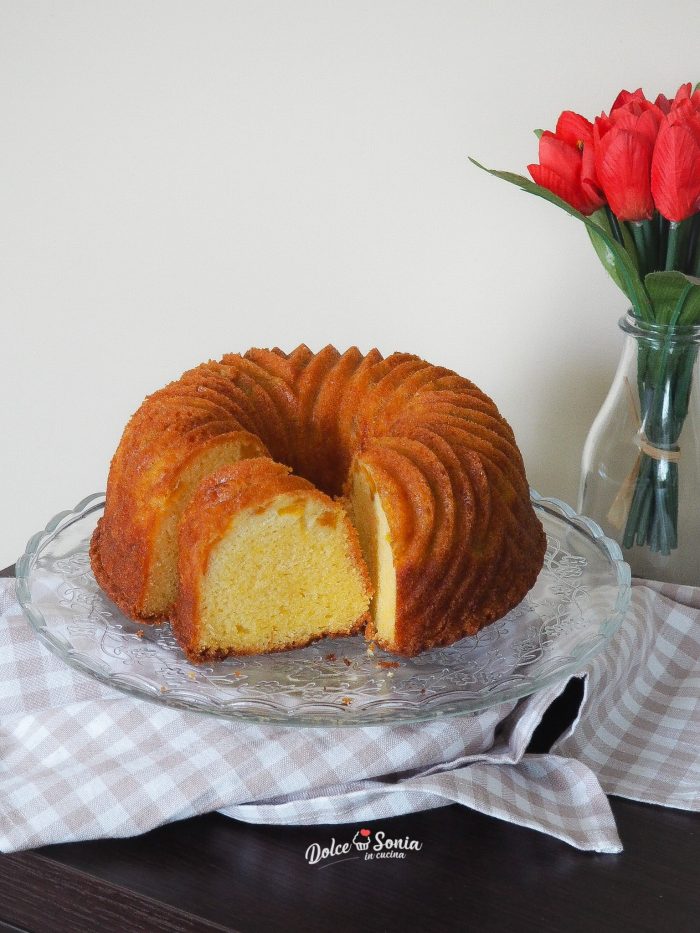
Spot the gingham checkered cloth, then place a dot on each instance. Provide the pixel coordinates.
(640, 729)
(82, 761)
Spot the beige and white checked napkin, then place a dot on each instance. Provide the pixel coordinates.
(83, 761)
(640, 726)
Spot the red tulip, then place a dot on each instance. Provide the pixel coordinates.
(663, 103)
(566, 165)
(625, 98)
(683, 95)
(675, 170)
(624, 146)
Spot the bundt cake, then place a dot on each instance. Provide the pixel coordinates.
(202, 523)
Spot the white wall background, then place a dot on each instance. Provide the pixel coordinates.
(183, 179)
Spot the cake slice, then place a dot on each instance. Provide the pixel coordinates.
(266, 563)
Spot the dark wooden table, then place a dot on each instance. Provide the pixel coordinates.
(472, 873)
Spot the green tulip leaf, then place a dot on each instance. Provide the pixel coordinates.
(538, 134)
(675, 297)
(616, 256)
(606, 256)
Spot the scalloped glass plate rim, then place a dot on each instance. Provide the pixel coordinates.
(317, 713)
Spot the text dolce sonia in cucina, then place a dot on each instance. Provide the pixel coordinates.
(387, 845)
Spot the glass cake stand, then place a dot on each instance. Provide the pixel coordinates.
(574, 609)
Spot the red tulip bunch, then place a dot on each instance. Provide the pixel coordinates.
(643, 157)
(632, 176)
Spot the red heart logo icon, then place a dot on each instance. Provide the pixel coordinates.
(365, 832)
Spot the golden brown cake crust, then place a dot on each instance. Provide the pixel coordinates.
(118, 594)
(467, 544)
(146, 467)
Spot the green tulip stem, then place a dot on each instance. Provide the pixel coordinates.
(672, 246)
(649, 232)
(640, 245)
(614, 225)
(662, 240)
(693, 260)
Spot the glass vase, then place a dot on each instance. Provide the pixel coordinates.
(640, 472)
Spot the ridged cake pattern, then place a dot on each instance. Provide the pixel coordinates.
(466, 543)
